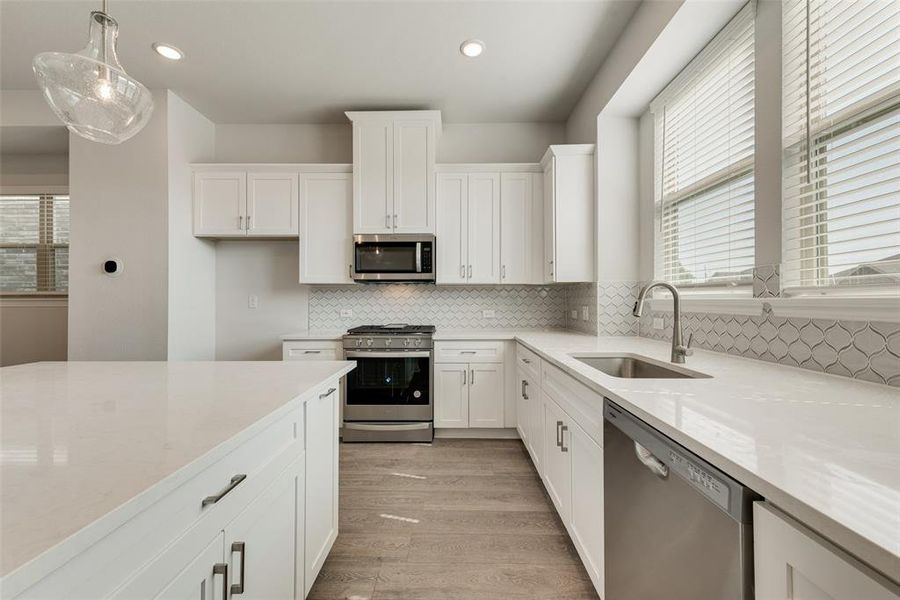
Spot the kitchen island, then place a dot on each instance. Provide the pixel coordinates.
(123, 478)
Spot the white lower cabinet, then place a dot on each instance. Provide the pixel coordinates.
(794, 563)
(206, 577)
(261, 543)
(469, 395)
(321, 518)
(530, 418)
(558, 459)
(586, 525)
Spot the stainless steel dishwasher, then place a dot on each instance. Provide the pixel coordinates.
(676, 528)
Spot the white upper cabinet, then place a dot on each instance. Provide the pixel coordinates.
(516, 227)
(484, 228)
(569, 213)
(453, 227)
(326, 227)
(271, 204)
(245, 202)
(220, 203)
(393, 170)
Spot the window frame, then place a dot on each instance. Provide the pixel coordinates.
(44, 248)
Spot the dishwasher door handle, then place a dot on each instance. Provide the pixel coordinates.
(656, 466)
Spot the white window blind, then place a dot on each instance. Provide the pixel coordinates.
(34, 244)
(841, 136)
(704, 147)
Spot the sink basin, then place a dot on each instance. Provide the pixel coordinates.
(633, 367)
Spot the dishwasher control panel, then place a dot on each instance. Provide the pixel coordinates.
(705, 482)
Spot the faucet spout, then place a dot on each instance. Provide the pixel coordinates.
(679, 350)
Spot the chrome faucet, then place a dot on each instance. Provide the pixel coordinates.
(679, 349)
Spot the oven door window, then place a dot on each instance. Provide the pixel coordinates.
(386, 257)
(385, 381)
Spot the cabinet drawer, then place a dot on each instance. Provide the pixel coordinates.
(469, 352)
(178, 516)
(312, 350)
(529, 362)
(580, 402)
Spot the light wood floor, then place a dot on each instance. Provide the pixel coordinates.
(457, 519)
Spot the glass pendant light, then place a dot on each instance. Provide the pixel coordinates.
(90, 91)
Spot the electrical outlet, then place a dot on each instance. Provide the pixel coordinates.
(573, 313)
(346, 313)
(488, 314)
(585, 313)
(658, 323)
(253, 302)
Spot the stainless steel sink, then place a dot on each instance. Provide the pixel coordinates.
(634, 367)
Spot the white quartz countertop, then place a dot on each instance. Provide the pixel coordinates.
(824, 448)
(440, 334)
(80, 439)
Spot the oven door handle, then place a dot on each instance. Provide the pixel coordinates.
(386, 426)
(395, 354)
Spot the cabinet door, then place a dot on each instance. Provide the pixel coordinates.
(272, 204)
(791, 563)
(536, 440)
(587, 503)
(321, 479)
(515, 227)
(549, 220)
(486, 398)
(413, 175)
(220, 203)
(523, 412)
(326, 227)
(484, 228)
(452, 227)
(261, 542)
(373, 174)
(451, 395)
(557, 458)
(205, 577)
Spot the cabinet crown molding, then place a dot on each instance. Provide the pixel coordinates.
(371, 115)
(566, 150)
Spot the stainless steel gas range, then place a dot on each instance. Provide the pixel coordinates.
(390, 394)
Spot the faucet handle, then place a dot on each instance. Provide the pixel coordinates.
(688, 351)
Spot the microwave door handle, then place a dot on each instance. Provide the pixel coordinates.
(418, 257)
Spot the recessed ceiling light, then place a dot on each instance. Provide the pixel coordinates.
(472, 48)
(168, 51)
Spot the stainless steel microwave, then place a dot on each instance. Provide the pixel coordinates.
(393, 257)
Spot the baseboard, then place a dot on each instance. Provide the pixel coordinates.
(509, 433)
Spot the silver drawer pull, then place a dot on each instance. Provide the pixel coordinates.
(222, 569)
(558, 441)
(562, 438)
(468, 352)
(527, 361)
(312, 352)
(239, 547)
(328, 393)
(235, 481)
(524, 393)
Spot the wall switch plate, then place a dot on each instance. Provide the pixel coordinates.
(658, 323)
(585, 313)
(253, 302)
(573, 313)
(346, 313)
(488, 314)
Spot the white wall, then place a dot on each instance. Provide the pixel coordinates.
(34, 170)
(618, 203)
(268, 270)
(119, 209)
(284, 143)
(192, 261)
(32, 329)
(645, 198)
(497, 142)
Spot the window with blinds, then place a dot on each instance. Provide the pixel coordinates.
(703, 148)
(34, 244)
(841, 136)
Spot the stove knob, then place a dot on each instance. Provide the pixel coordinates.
(358, 343)
(369, 342)
(388, 341)
(406, 342)
(418, 342)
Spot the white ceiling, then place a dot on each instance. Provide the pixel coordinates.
(262, 61)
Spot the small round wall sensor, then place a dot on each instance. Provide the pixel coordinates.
(112, 267)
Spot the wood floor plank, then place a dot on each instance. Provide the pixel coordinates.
(381, 545)
(344, 579)
(542, 522)
(480, 548)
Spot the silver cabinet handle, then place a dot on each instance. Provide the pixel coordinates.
(472, 376)
(462, 271)
(470, 271)
(468, 352)
(503, 272)
(656, 466)
(239, 547)
(387, 221)
(350, 271)
(222, 569)
(249, 227)
(312, 352)
(464, 377)
(395, 221)
(562, 438)
(524, 393)
(328, 393)
(241, 222)
(235, 481)
(551, 268)
(527, 361)
(558, 442)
